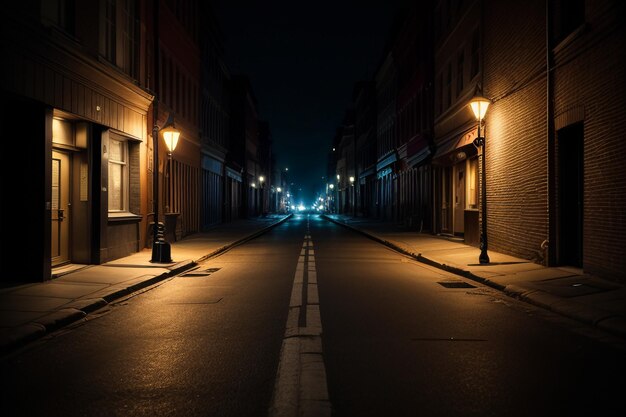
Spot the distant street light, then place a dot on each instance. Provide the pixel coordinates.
(261, 186)
(352, 196)
(331, 198)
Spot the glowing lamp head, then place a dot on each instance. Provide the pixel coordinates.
(170, 136)
(479, 107)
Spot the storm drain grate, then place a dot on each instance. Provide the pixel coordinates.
(200, 273)
(456, 284)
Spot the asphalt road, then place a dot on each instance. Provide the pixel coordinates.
(396, 342)
(399, 343)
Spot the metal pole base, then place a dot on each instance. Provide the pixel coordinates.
(483, 258)
(161, 252)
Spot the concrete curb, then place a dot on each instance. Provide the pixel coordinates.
(12, 338)
(245, 239)
(568, 308)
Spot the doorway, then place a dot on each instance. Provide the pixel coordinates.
(60, 246)
(446, 197)
(459, 199)
(570, 189)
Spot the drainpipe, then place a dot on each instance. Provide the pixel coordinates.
(548, 244)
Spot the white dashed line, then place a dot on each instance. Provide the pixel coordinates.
(300, 388)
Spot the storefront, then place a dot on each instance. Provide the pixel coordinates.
(456, 187)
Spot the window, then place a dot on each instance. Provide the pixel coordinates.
(448, 86)
(472, 192)
(119, 28)
(438, 31)
(59, 13)
(109, 20)
(118, 175)
(459, 72)
(439, 92)
(567, 16)
(475, 54)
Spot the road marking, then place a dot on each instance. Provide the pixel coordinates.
(300, 388)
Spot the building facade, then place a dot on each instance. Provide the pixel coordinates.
(412, 53)
(244, 148)
(364, 99)
(386, 139)
(85, 88)
(457, 41)
(217, 181)
(75, 104)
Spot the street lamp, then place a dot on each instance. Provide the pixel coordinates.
(479, 107)
(353, 196)
(161, 249)
(332, 200)
(261, 183)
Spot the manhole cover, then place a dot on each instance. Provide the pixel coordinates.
(200, 273)
(456, 284)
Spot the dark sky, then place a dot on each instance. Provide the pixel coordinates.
(303, 59)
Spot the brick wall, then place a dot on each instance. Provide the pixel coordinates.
(590, 83)
(516, 139)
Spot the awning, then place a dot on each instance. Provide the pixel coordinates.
(212, 165)
(388, 160)
(418, 158)
(367, 172)
(445, 151)
(231, 173)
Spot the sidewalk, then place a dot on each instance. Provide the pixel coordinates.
(565, 291)
(30, 311)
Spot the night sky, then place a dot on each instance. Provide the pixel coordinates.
(303, 59)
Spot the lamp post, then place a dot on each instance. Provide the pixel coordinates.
(261, 184)
(161, 249)
(331, 203)
(352, 196)
(479, 107)
(338, 203)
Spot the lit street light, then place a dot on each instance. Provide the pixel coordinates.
(479, 107)
(161, 249)
(261, 183)
(352, 196)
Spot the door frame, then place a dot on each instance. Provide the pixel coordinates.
(63, 208)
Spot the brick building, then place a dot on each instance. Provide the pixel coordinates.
(555, 181)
